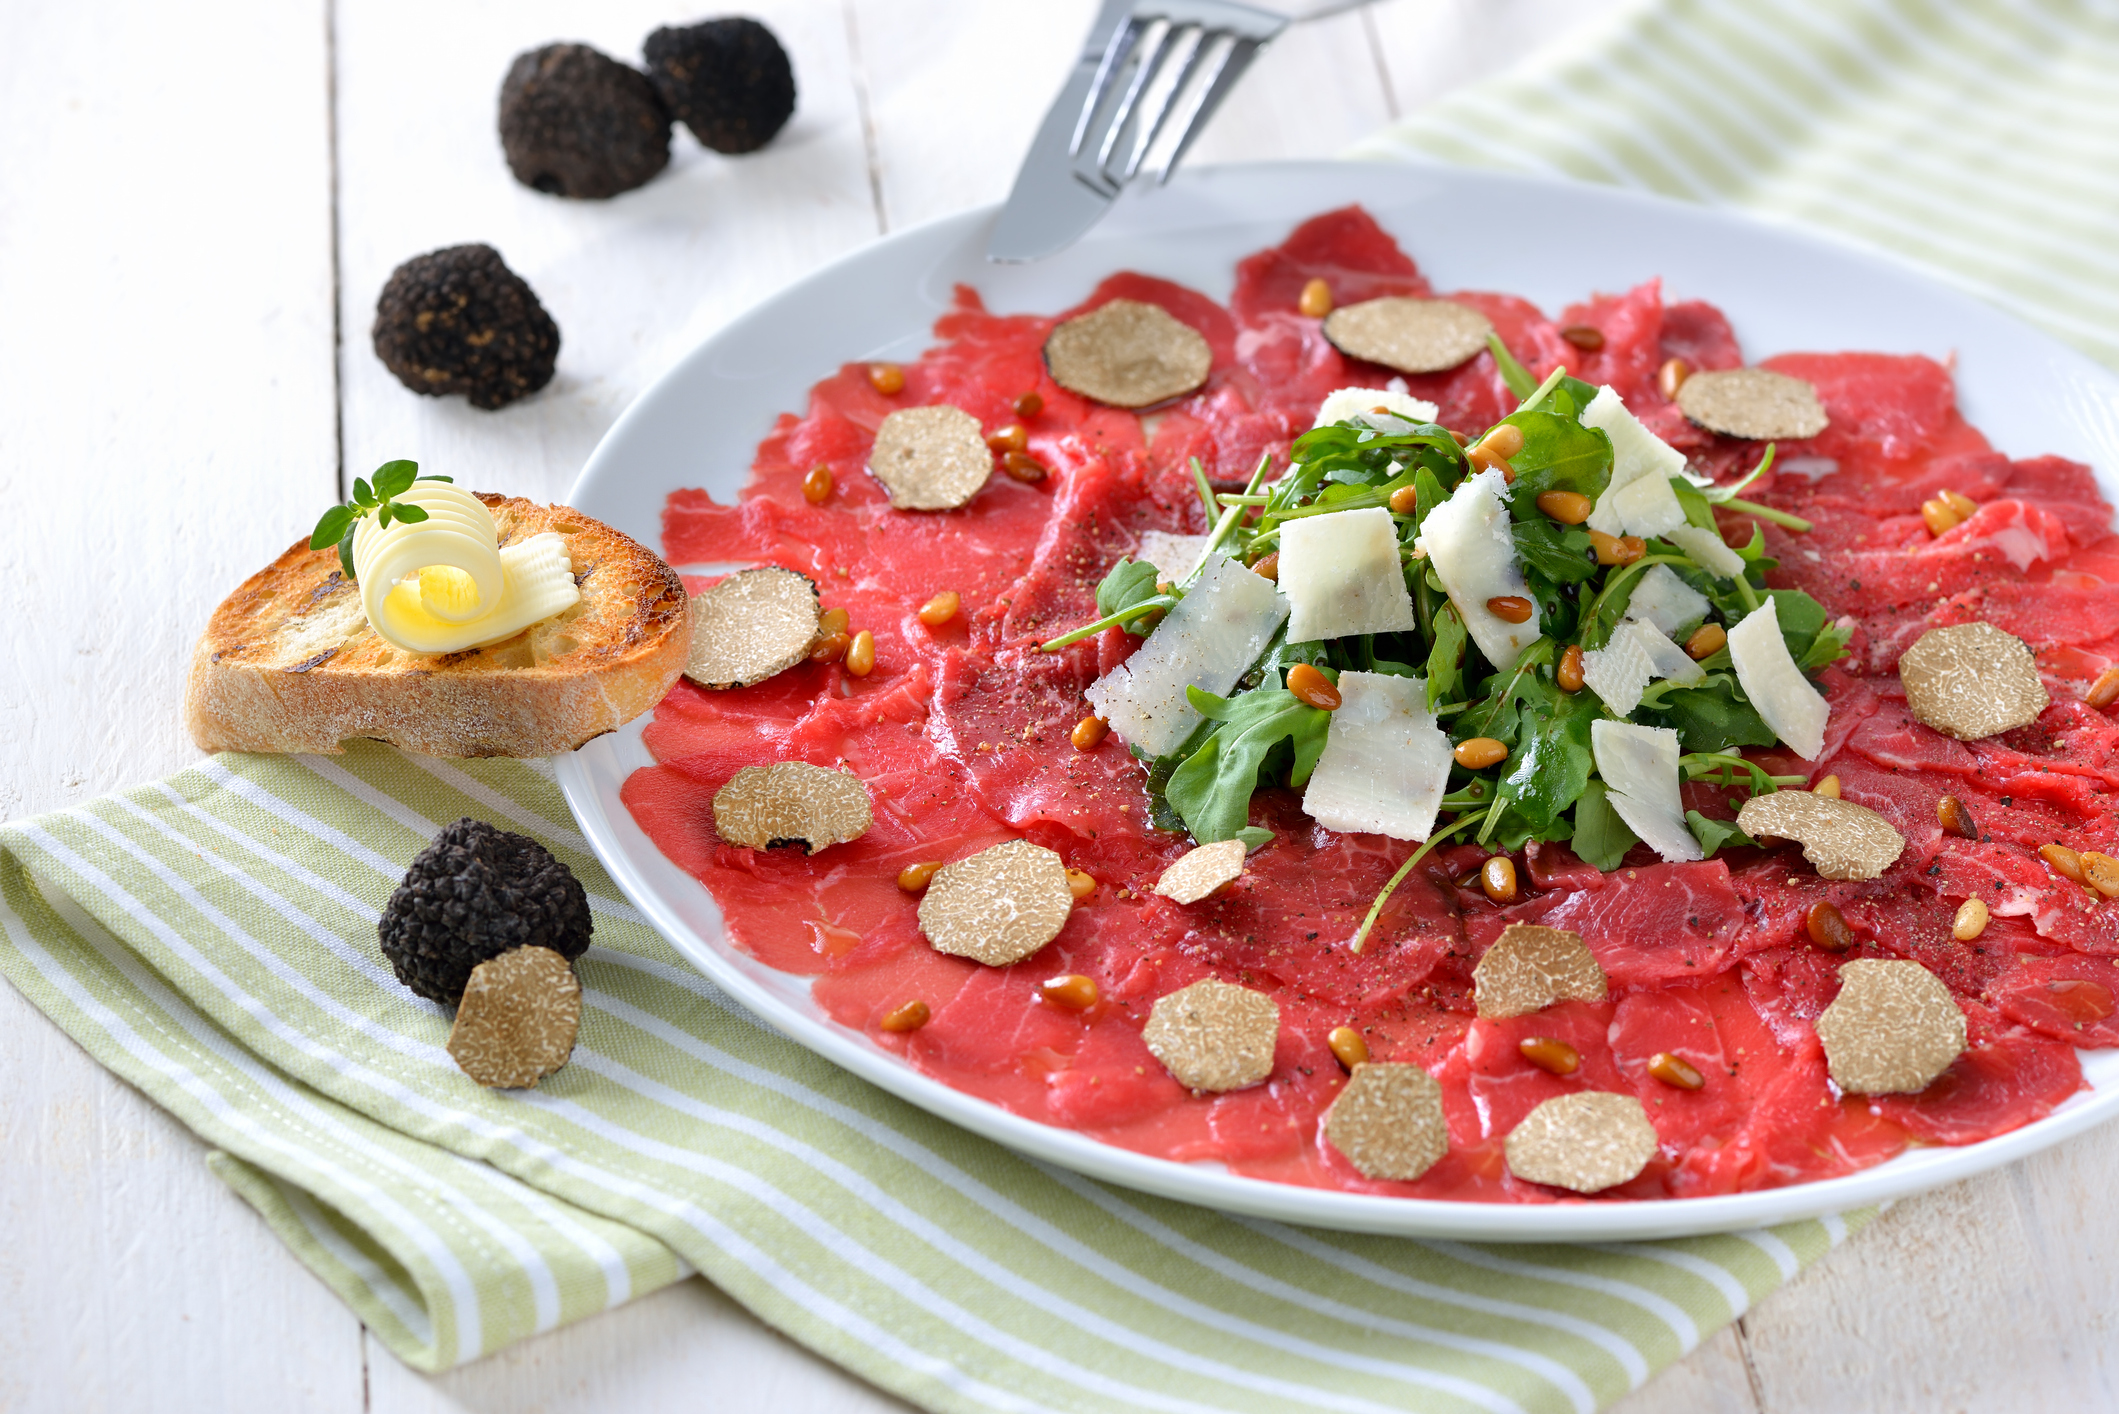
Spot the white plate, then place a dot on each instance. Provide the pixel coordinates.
(700, 424)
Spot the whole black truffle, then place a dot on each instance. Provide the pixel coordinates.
(473, 894)
(727, 80)
(458, 320)
(576, 122)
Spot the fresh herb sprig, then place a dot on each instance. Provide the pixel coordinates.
(392, 479)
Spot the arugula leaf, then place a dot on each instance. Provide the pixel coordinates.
(1827, 648)
(1211, 791)
(1552, 760)
(1708, 718)
(1128, 583)
(1601, 838)
(1698, 510)
(1445, 659)
(1559, 454)
(1713, 834)
(1254, 835)
(1559, 552)
(1514, 374)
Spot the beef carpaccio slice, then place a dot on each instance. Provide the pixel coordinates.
(961, 734)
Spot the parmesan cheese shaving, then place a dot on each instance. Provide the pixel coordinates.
(1640, 770)
(1468, 541)
(1386, 764)
(1349, 403)
(1341, 575)
(1620, 671)
(1783, 697)
(1172, 555)
(1706, 549)
(1638, 455)
(1661, 598)
(1209, 641)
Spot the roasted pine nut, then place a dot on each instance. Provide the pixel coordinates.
(1480, 752)
(1964, 505)
(1706, 641)
(1089, 733)
(886, 378)
(1586, 337)
(1674, 1071)
(1827, 927)
(1023, 467)
(1569, 673)
(1347, 1045)
(1566, 507)
(1011, 438)
(1514, 608)
(816, 484)
(2105, 691)
(1269, 567)
(1028, 405)
(2066, 863)
(940, 609)
(1617, 549)
(915, 877)
(909, 1017)
(1312, 687)
(1940, 515)
(1828, 787)
(1316, 299)
(1671, 377)
(1405, 500)
(861, 654)
(1551, 1055)
(1956, 818)
(1071, 990)
(1080, 884)
(1971, 920)
(1497, 876)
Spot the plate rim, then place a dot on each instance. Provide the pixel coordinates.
(1912, 1172)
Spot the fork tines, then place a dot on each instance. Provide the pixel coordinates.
(1167, 67)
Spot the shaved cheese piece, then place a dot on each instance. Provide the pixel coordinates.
(1386, 764)
(1636, 653)
(1468, 541)
(1353, 402)
(1637, 455)
(1640, 770)
(1784, 698)
(1619, 672)
(1666, 658)
(1707, 550)
(1645, 506)
(1209, 641)
(1662, 599)
(1172, 555)
(1342, 576)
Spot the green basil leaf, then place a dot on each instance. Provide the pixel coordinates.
(395, 478)
(363, 495)
(345, 550)
(1601, 838)
(407, 512)
(330, 527)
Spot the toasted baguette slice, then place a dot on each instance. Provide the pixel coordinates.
(288, 662)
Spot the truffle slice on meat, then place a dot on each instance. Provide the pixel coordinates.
(1410, 335)
(458, 320)
(1841, 839)
(1891, 1030)
(931, 458)
(1585, 1142)
(518, 1019)
(1972, 681)
(750, 626)
(575, 122)
(1388, 1121)
(1529, 967)
(727, 80)
(1214, 1036)
(1129, 354)
(999, 906)
(1201, 871)
(1755, 403)
(762, 806)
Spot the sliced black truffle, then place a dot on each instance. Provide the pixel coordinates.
(576, 122)
(727, 80)
(458, 320)
(473, 894)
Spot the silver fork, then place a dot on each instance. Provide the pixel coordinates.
(1149, 67)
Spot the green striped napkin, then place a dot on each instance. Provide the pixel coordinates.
(1977, 137)
(211, 938)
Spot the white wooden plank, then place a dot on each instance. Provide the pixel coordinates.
(1311, 92)
(687, 1346)
(1431, 47)
(166, 425)
(1711, 1380)
(632, 282)
(133, 1279)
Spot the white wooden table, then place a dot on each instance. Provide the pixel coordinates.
(198, 206)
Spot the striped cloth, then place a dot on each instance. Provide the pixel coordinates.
(1979, 138)
(211, 938)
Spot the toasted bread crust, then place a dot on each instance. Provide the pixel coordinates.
(288, 662)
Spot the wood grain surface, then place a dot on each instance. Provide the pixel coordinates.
(199, 208)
